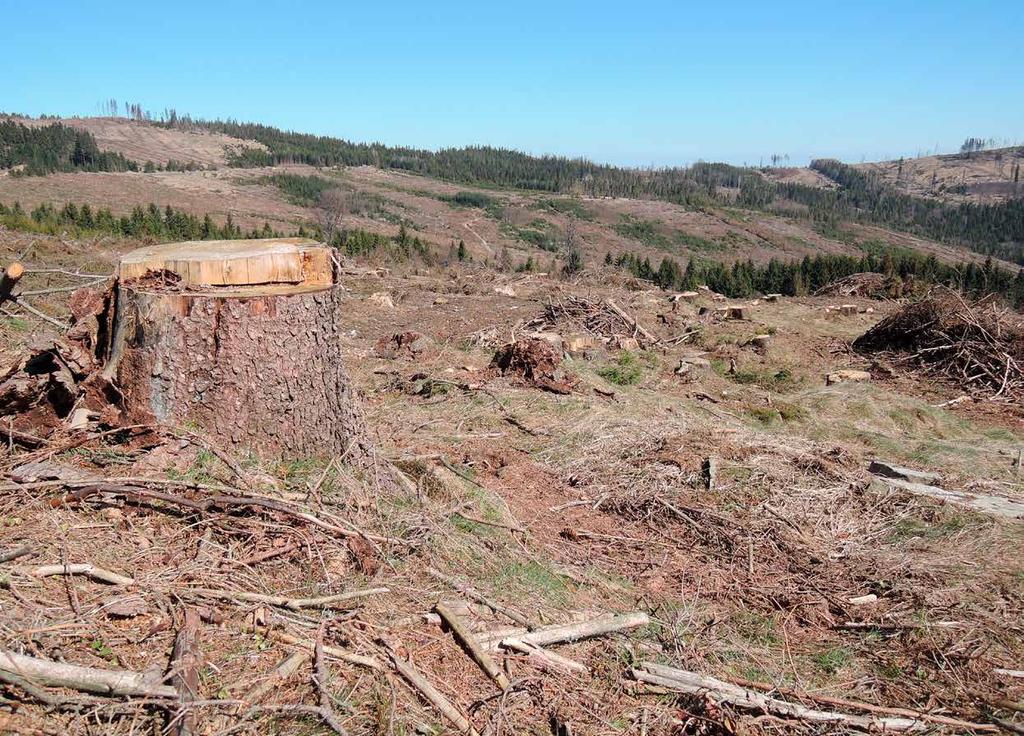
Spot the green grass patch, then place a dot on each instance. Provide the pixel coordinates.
(645, 231)
(565, 206)
(699, 244)
(906, 529)
(766, 416)
(779, 412)
(834, 659)
(16, 324)
(200, 471)
(531, 578)
(543, 239)
(781, 381)
(757, 628)
(791, 412)
(625, 371)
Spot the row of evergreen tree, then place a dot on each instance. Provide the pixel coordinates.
(44, 149)
(800, 277)
(152, 222)
(169, 224)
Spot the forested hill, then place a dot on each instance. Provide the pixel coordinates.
(479, 165)
(995, 229)
(992, 229)
(48, 148)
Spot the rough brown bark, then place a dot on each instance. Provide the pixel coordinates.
(262, 370)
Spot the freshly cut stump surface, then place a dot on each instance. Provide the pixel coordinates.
(241, 339)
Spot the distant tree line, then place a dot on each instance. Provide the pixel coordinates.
(480, 165)
(400, 247)
(165, 224)
(169, 224)
(50, 148)
(799, 277)
(974, 145)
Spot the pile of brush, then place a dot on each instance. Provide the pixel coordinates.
(600, 318)
(867, 285)
(978, 345)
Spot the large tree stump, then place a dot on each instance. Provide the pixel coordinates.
(239, 339)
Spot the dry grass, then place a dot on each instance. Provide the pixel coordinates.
(590, 504)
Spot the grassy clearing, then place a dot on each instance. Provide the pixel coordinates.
(783, 380)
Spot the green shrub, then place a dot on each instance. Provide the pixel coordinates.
(625, 371)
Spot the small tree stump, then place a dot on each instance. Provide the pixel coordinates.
(240, 339)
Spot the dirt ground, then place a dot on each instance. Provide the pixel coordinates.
(791, 567)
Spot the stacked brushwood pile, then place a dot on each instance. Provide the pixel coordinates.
(600, 318)
(868, 285)
(978, 345)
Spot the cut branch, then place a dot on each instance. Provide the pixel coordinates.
(122, 683)
(295, 604)
(185, 662)
(83, 568)
(431, 694)
(572, 632)
(469, 641)
(741, 697)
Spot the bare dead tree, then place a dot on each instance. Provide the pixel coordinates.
(573, 251)
(330, 213)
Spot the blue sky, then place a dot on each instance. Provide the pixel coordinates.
(636, 83)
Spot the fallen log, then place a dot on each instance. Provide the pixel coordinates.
(13, 554)
(859, 705)
(631, 320)
(121, 683)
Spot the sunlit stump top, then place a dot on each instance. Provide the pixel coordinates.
(275, 265)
